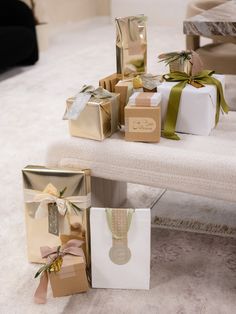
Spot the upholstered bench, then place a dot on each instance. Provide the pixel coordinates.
(201, 165)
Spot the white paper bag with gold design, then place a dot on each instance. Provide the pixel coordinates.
(120, 248)
(57, 203)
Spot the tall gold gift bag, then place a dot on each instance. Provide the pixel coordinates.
(131, 45)
(57, 204)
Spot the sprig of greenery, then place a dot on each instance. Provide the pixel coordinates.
(174, 56)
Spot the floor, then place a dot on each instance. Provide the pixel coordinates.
(190, 273)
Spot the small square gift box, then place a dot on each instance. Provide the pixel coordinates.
(191, 103)
(120, 248)
(131, 45)
(57, 203)
(143, 117)
(93, 113)
(65, 268)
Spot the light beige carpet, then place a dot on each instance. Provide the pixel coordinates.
(191, 273)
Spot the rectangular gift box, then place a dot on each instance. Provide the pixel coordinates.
(122, 263)
(71, 278)
(44, 223)
(125, 89)
(98, 120)
(197, 107)
(131, 45)
(144, 99)
(143, 124)
(110, 82)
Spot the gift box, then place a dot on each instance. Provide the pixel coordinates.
(120, 248)
(96, 116)
(125, 89)
(57, 203)
(197, 107)
(131, 45)
(110, 82)
(65, 268)
(143, 117)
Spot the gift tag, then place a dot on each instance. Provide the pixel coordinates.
(53, 219)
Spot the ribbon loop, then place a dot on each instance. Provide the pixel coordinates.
(204, 77)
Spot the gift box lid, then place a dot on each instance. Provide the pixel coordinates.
(144, 99)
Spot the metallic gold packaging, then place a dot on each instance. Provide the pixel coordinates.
(110, 82)
(181, 66)
(71, 203)
(99, 119)
(131, 45)
(125, 89)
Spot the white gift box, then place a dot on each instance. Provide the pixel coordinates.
(135, 274)
(197, 107)
(152, 99)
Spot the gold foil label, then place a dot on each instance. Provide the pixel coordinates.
(141, 125)
(53, 219)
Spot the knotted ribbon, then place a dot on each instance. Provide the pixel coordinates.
(82, 98)
(204, 77)
(54, 263)
(65, 205)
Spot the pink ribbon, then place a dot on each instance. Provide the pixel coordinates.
(72, 247)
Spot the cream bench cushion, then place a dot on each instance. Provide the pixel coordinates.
(202, 165)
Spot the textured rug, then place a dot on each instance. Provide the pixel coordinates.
(191, 273)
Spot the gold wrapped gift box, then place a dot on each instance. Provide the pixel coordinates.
(98, 120)
(42, 215)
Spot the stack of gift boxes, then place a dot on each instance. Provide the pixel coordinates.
(81, 246)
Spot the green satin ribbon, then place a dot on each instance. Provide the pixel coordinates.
(204, 77)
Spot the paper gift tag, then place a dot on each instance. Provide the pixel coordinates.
(120, 249)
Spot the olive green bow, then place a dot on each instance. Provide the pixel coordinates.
(204, 77)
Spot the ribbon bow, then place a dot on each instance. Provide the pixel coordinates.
(54, 263)
(65, 205)
(204, 77)
(82, 98)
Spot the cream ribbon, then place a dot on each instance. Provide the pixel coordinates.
(64, 204)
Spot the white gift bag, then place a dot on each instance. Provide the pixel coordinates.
(120, 260)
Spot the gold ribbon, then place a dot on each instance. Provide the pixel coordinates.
(204, 77)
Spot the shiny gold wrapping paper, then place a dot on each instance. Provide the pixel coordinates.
(110, 82)
(181, 66)
(77, 183)
(131, 45)
(125, 89)
(99, 119)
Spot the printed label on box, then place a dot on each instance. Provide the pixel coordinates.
(144, 125)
